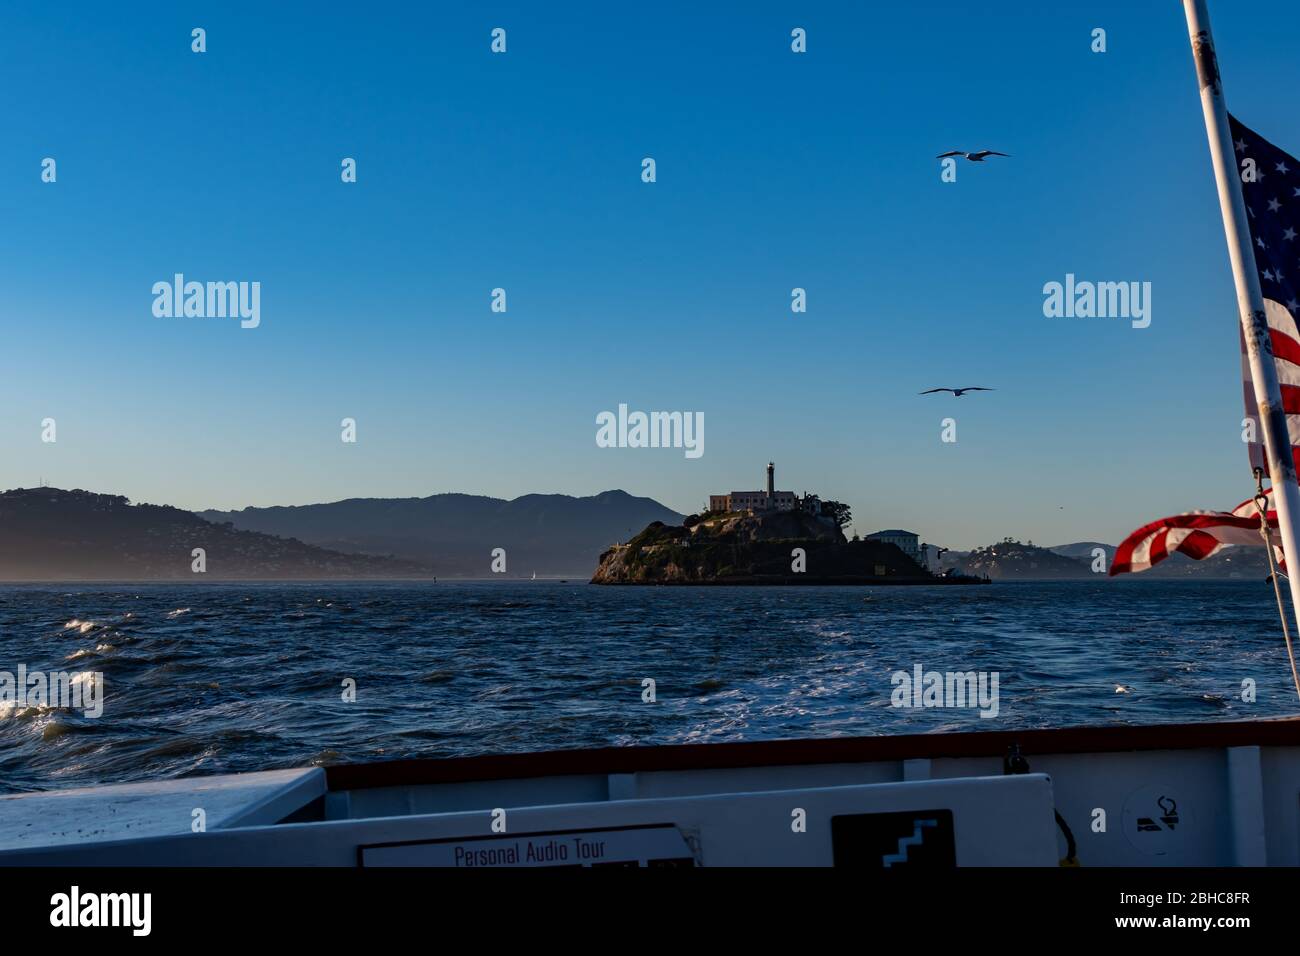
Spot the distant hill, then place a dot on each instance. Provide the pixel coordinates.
(455, 533)
(1083, 550)
(1233, 562)
(48, 534)
(1015, 560)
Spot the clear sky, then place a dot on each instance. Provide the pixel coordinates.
(523, 171)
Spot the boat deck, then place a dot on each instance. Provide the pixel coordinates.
(1190, 795)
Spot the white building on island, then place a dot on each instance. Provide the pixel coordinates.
(905, 541)
(769, 500)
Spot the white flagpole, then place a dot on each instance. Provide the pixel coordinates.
(1250, 299)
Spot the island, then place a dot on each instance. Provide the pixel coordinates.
(763, 537)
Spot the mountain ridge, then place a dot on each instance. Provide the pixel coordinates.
(1012, 560)
(56, 534)
(456, 533)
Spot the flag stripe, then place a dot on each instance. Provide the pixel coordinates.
(1197, 534)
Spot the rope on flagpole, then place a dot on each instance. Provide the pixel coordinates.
(1261, 505)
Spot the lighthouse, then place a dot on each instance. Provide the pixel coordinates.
(765, 499)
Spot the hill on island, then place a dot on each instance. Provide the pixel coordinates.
(739, 548)
(1015, 560)
(455, 534)
(49, 534)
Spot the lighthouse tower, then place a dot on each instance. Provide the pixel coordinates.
(771, 482)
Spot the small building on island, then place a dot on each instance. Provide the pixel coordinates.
(905, 541)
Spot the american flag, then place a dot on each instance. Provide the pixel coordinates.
(1197, 534)
(1272, 194)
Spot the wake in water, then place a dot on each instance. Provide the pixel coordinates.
(230, 678)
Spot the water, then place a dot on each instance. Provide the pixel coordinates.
(238, 677)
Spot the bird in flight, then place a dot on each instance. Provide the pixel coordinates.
(977, 157)
(958, 391)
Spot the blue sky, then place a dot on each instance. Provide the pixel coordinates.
(522, 171)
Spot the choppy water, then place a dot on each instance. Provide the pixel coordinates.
(244, 677)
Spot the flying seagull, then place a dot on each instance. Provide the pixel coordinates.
(958, 391)
(973, 157)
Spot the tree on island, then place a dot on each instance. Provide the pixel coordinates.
(838, 511)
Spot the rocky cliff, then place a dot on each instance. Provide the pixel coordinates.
(755, 549)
